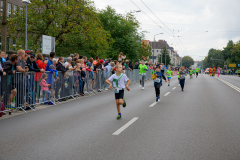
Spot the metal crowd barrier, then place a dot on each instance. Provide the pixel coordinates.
(23, 91)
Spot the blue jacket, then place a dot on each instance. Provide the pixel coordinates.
(159, 75)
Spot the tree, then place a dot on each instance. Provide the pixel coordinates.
(187, 61)
(123, 30)
(164, 55)
(74, 23)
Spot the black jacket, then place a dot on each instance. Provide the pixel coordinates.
(32, 66)
(7, 67)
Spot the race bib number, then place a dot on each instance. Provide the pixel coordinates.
(143, 74)
(157, 80)
(182, 77)
(169, 75)
(116, 90)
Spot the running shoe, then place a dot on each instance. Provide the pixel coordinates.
(142, 88)
(156, 99)
(168, 84)
(119, 117)
(124, 102)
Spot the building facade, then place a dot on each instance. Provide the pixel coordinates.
(8, 10)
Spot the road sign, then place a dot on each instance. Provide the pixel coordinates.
(48, 44)
(232, 65)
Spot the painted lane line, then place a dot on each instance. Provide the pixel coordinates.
(120, 130)
(167, 94)
(154, 103)
(230, 85)
(174, 88)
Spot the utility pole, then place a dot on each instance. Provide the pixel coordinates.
(4, 27)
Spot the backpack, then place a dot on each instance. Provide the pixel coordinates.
(2, 108)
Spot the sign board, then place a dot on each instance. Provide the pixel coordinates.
(152, 57)
(48, 44)
(232, 65)
(238, 65)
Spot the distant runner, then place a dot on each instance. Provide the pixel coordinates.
(182, 74)
(169, 75)
(158, 82)
(197, 70)
(119, 80)
(190, 72)
(142, 73)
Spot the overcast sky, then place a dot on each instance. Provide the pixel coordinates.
(200, 24)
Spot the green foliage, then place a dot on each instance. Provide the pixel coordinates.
(229, 54)
(165, 55)
(123, 30)
(74, 24)
(187, 61)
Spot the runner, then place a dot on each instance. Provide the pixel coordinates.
(210, 71)
(169, 75)
(179, 75)
(119, 80)
(197, 70)
(218, 70)
(142, 73)
(190, 72)
(214, 70)
(158, 82)
(182, 74)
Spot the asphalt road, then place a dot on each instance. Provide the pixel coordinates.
(201, 123)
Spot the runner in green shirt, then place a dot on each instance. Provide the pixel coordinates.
(179, 75)
(197, 70)
(142, 73)
(169, 75)
(190, 72)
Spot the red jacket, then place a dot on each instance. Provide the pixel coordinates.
(41, 65)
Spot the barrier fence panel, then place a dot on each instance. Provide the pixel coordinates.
(22, 91)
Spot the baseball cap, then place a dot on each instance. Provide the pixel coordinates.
(32, 55)
(101, 61)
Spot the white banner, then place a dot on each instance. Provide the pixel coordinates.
(48, 44)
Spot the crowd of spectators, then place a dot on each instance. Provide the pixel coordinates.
(28, 78)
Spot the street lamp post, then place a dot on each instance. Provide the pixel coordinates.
(27, 2)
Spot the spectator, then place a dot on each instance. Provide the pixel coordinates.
(2, 57)
(50, 62)
(128, 66)
(73, 63)
(68, 65)
(55, 62)
(45, 89)
(41, 65)
(109, 68)
(121, 57)
(76, 55)
(32, 65)
(59, 85)
(136, 65)
(8, 84)
(21, 78)
(96, 60)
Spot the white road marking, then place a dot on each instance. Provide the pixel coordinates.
(174, 88)
(120, 130)
(154, 103)
(230, 85)
(167, 94)
(178, 84)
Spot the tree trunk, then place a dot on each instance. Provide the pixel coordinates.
(4, 27)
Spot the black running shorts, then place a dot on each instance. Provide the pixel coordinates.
(119, 95)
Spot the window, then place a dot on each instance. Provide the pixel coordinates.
(9, 9)
(1, 7)
(14, 9)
